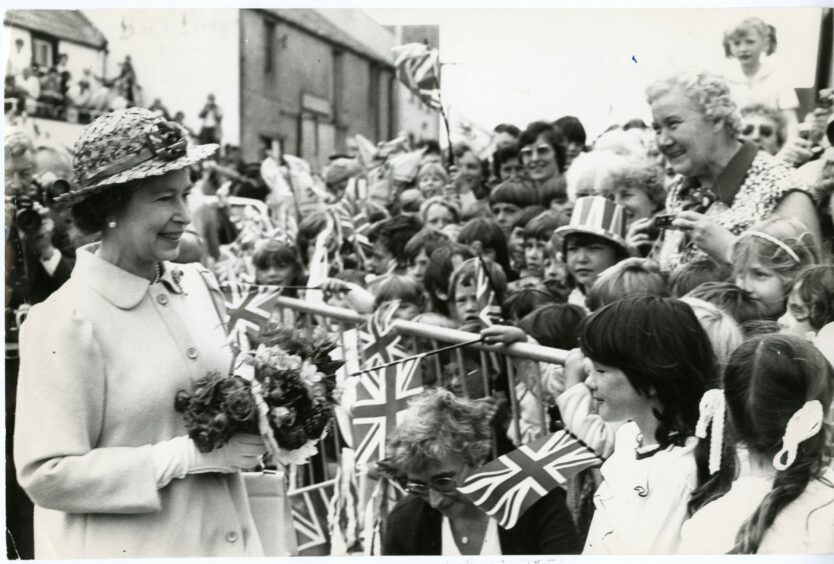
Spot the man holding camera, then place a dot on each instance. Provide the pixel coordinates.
(39, 259)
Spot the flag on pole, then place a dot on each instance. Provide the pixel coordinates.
(383, 394)
(506, 487)
(248, 308)
(319, 265)
(343, 511)
(418, 68)
(490, 308)
(385, 496)
(309, 507)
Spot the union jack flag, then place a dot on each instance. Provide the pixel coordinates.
(418, 69)
(309, 507)
(379, 344)
(248, 308)
(506, 487)
(381, 398)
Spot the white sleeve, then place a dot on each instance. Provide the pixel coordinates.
(575, 409)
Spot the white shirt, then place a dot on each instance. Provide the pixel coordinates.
(491, 546)
(805, 526)
(767, 87)
(641, 504)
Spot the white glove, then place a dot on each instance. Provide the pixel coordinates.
(179, 457)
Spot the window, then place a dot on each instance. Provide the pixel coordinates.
(269, 45)
(43, 53)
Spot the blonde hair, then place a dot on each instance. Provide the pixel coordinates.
(781, 244)
(766, 31)
(709, 91)
(720, 327)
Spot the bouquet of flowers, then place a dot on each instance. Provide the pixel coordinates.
(283, 391)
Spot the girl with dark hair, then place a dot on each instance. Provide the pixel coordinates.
(486, 238)
(776, 495)
(442, 263)
(810, 303)
(652, 362)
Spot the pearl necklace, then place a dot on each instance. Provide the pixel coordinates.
(158, 274)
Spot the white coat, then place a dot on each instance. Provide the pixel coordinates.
(101, 362)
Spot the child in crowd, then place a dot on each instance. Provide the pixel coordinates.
(431, 178)
(507, 201)
(779, 496)
(556, 277)
(537, 234)
(524, 301)
(442, 263)
(437, 212)
(629, 277)
(486, 238)
(389, 238)
(593, 241)
(810, 303)
(652, 362)
(418, 250)
(515, 242)
(689, 275)
(277, 264)
(768, 257)
(739, 303)
(404, 289)
(464, 301)
(723, 332)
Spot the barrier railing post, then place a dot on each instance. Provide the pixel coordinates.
(513, 399)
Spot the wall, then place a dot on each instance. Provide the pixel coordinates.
(180, 56)
(303, 64)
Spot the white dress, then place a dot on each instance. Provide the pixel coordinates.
(805, 526)
(641, 503)
(767, 87)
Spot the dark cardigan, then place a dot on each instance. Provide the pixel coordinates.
(414, 528)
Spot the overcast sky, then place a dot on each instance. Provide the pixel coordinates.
(518, 65)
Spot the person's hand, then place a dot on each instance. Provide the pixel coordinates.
(40, 243)
(712, 238)
(796, 151)
(243, 451)
(503, 335)
(638, 232)
(575, 368)
(336, 286)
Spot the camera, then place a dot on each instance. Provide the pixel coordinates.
(29, 215)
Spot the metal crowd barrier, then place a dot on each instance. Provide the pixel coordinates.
(491, 363)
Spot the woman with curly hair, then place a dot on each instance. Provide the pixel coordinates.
(725, 185)
(440, 441)
(810, 304)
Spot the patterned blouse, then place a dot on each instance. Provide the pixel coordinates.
(761, 188)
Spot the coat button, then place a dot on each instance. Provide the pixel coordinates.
(231, 536)
(162, 299)
(191, 352)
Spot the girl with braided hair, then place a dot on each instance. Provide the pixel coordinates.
(773, 487)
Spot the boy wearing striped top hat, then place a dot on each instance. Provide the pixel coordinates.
(592, 241)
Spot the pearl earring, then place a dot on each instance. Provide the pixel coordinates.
(111, 224)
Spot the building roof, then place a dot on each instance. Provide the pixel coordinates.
(316, 24)
(68, 25)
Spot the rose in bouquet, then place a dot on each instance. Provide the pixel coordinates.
(283, 390)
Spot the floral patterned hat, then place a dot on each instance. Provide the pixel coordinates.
(127, 145)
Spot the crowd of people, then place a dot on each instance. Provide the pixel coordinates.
(686, 266)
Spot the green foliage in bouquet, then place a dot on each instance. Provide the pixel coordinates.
(291, 393)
